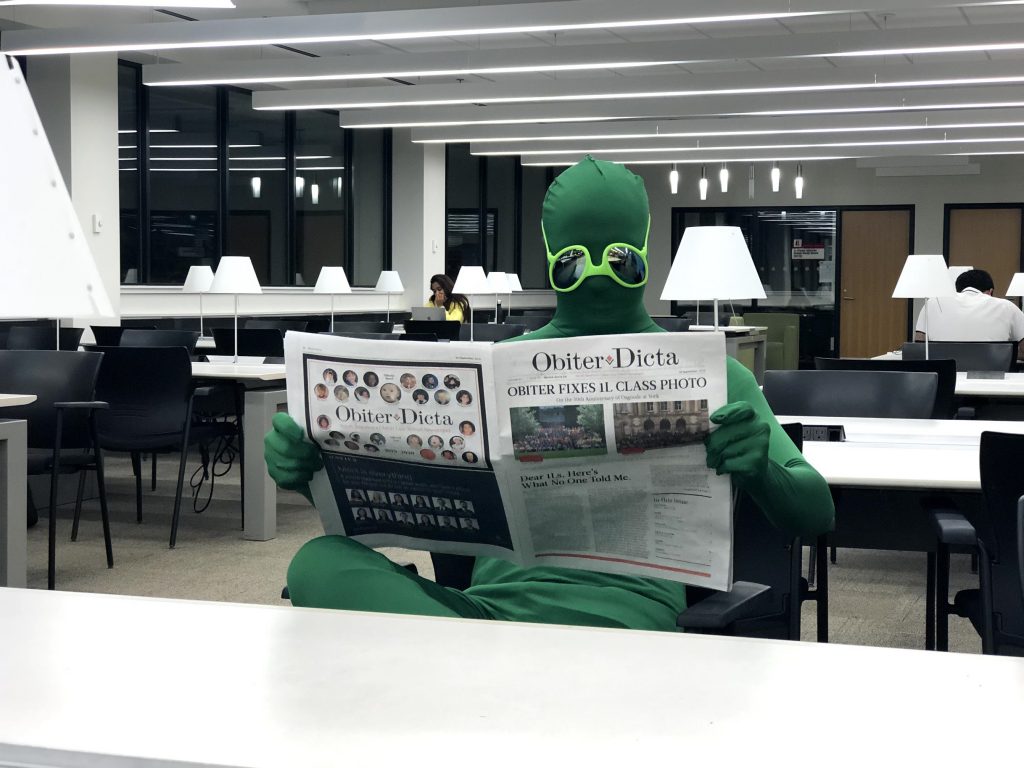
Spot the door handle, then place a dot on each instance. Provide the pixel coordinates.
(848, 298)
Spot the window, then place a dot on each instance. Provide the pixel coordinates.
(371, 250)
(128, 170)
(321, 224)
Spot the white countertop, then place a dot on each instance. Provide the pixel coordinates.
(10, 401)
(245, 685)
(257, 372)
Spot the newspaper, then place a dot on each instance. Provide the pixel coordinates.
(584, 452)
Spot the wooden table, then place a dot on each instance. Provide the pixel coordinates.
(264, 394)
(127, 681)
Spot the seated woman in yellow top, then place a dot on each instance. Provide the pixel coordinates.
(442, 294)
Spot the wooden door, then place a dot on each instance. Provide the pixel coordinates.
(873, 250)
(986, 238)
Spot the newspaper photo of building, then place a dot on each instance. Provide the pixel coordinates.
(659, 424)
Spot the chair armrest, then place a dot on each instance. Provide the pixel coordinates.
(203, 391)
(954, 530)
(90, 405)
(745, 600)
(965, 412)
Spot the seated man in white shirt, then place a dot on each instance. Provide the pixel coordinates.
(974, 314)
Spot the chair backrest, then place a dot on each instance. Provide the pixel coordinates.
(531, 322)
(1002, 484)
(417, 337)
(107, 335)
(444, 329)
(52, 377)
(490, 331)
(252, 342)
(43, 337)
(548, 313)
(280, 325)
(675, 324)
(875, 394)
(148, 389)
(143, 337)
(363, 326)
(969, 355)
(945, 396)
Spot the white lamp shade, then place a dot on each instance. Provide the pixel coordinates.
(47, 266)
(389, 282)
(332, 280)
(513, 282)
(235, 275)
(955, 272)
(712, 263)
(497, 282)
(198, 280)
(924, 276)
(471, 280)
(1016, 285)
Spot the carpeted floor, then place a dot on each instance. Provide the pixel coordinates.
(877, 598)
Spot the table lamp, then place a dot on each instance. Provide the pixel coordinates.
(332, 280)
(471, 281)
(1016, 285)
(924, 276)
(514, 286)
(198, 280)
(712, 263)
(235, 276)
(389, 282)
(47, 266)
(497, 283)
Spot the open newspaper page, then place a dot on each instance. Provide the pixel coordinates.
(405, 432)
(609, 469)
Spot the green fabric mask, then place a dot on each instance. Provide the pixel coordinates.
(594, 204)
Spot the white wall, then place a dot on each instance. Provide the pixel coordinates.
(831, 183)
(76, 97)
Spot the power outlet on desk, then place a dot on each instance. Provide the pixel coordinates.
(824, 433)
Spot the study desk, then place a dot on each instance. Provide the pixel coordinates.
(121, 681)
(10, 401)
(13, 502)
(744, 341)
(264, 393)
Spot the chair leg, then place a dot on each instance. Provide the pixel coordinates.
(931, 600)
(153, 482)
(51, 551)
(101, 481)
(832, 555)
(942, 598)
(78, 505)
(988, 645)
(240, 434)
(181, 479)
(822, 590)
(137, 470)
(812, 564)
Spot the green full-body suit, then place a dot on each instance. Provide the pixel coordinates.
(592, 204)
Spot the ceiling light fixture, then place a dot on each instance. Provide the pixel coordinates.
(127, 3)
(798, 182)
(257, 186)
(776, 177)
(702, 185)
(673, 180)
(300, 186)
(723, 178)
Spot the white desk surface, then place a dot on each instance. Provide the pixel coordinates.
(902, 453)
(1011, 385)
(257, 372)
(244, 685)
(10, 401)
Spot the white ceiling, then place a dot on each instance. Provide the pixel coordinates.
(766, 53)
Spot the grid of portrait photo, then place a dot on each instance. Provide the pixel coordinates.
(374, 508)
(415, 413)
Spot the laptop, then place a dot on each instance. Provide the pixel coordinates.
(432, 314)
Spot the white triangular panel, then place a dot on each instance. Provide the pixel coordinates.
(46, 267)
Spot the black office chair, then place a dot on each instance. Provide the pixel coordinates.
(530, 322)
(363, 326)
(281, 325)
(107, 335)
(61, 425)
(874, 394)
(447, 330)
(43, 337)
(675, 324)
(145, 337)
(150, 393)
(490, 331)
(995, 534)
(252, 342)
(945, 395)
(969, 355)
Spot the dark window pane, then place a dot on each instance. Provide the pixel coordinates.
(320, 237)
(257, 189)
(462, 192)
(183, 181)
(368, 205)
(128, 171)
(501, 199)
(533, 272)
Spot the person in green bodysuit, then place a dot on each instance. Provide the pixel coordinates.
(593, 204)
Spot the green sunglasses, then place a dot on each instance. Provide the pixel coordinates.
(622, 262)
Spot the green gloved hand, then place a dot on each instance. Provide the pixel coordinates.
(740, 444)
(291, 458)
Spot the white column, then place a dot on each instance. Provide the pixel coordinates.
(76, 97)
(418, 214)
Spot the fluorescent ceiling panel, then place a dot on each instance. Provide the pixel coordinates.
(393, 25)
(816, 81)
(558, 58)
(127, 3)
